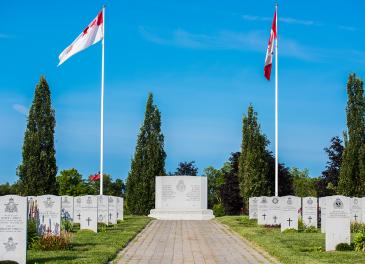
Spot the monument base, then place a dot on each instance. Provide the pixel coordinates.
(180, 214)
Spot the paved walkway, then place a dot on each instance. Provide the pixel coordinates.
(189, 242)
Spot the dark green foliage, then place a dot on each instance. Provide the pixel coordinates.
(70, 182)
(66, 225)
(32, 234)
(253, 171)
(359, 241)
(352, 173)
(8, 188)
(357, 227)
(303, 185)
(230, 191)
(328, 182)
(218, 210)
(285, 178)
(187, 168)
(51, 242)
(147, 163)
(215, 181)
(38, 170)
(116, 188)
(345, 247)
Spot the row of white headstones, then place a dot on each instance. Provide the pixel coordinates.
(335, 212)
(48, 210)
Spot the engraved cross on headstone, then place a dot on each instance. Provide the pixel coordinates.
(310, 219)
(264, 215)
(356, 216)
(110, 216)
(289, 221)
(275, 218)
(88, 221)
(79, 216)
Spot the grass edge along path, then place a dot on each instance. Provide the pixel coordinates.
(89, 247)
(293, 248)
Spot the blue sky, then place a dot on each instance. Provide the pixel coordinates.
(203, 61)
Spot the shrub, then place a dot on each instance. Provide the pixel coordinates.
(290, 231)
(357, 227)
(301, 225)
(32, 234)
(310, 229)
(102, 227)
(66, 225)
(359, 241)
(345, 247)
(52, 242)
(272, 226)
(218, 210)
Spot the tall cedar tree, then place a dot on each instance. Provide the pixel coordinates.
(352, 173)
(38, 170)
(187, 168)
(285, 178)
(148, 162)
(253, 170)
(230, 191)
(328, 182)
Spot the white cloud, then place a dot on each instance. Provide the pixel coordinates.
(20, 109)
(288, 20)
(347, 28)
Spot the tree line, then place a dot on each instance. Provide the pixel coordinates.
(247, 173)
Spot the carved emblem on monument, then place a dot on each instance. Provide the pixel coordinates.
(100, 218)
(89, 201)
(11, 207)
(275, 200)
(356, 201)
(338, 204)
(78, 200)
(263, 200)
(10, 245)
(310, 201)
(65, 200)
(180, 186)
(289, 201)
(48, 203)
(110, 199)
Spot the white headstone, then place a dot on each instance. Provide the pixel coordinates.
(49, 207)
(13, 228)
(274, 212)
(310, 207)
(89, 212)
(322, 207)
(181, 198)
(262, 210)
(356, 209)
(337, 221)
(103, 209)
(252, 207)
(120, 205)
(290, 206)
(67, 207)
(112, 210)
(77, 209)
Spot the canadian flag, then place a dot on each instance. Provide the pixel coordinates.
(95, 177)
(270, 49)
(92, 34)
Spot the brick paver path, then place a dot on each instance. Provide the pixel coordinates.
(190, 242)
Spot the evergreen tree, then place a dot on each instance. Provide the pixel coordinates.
(38, 170)
(352, 173)
(187, 168)
(253, 162)
(328, 182)
(230, 191)
(148, 162)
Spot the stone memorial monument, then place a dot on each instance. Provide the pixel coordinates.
(103, 209)
(290, 206)
(49, 207)
(77, 209)
(252, 207)
(112, 210)
(322, 207)
(310, 207)
(337, 221)
(262, 210)
(181, 198)
(120, 205)
(356, 209)
(67, 207)
(274, 211)
(13, 228)
(89, 212)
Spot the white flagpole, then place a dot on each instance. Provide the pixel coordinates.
(102, 108)
(276, 110)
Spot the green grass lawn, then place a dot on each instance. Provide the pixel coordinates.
(290, 247)
(89, 247)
